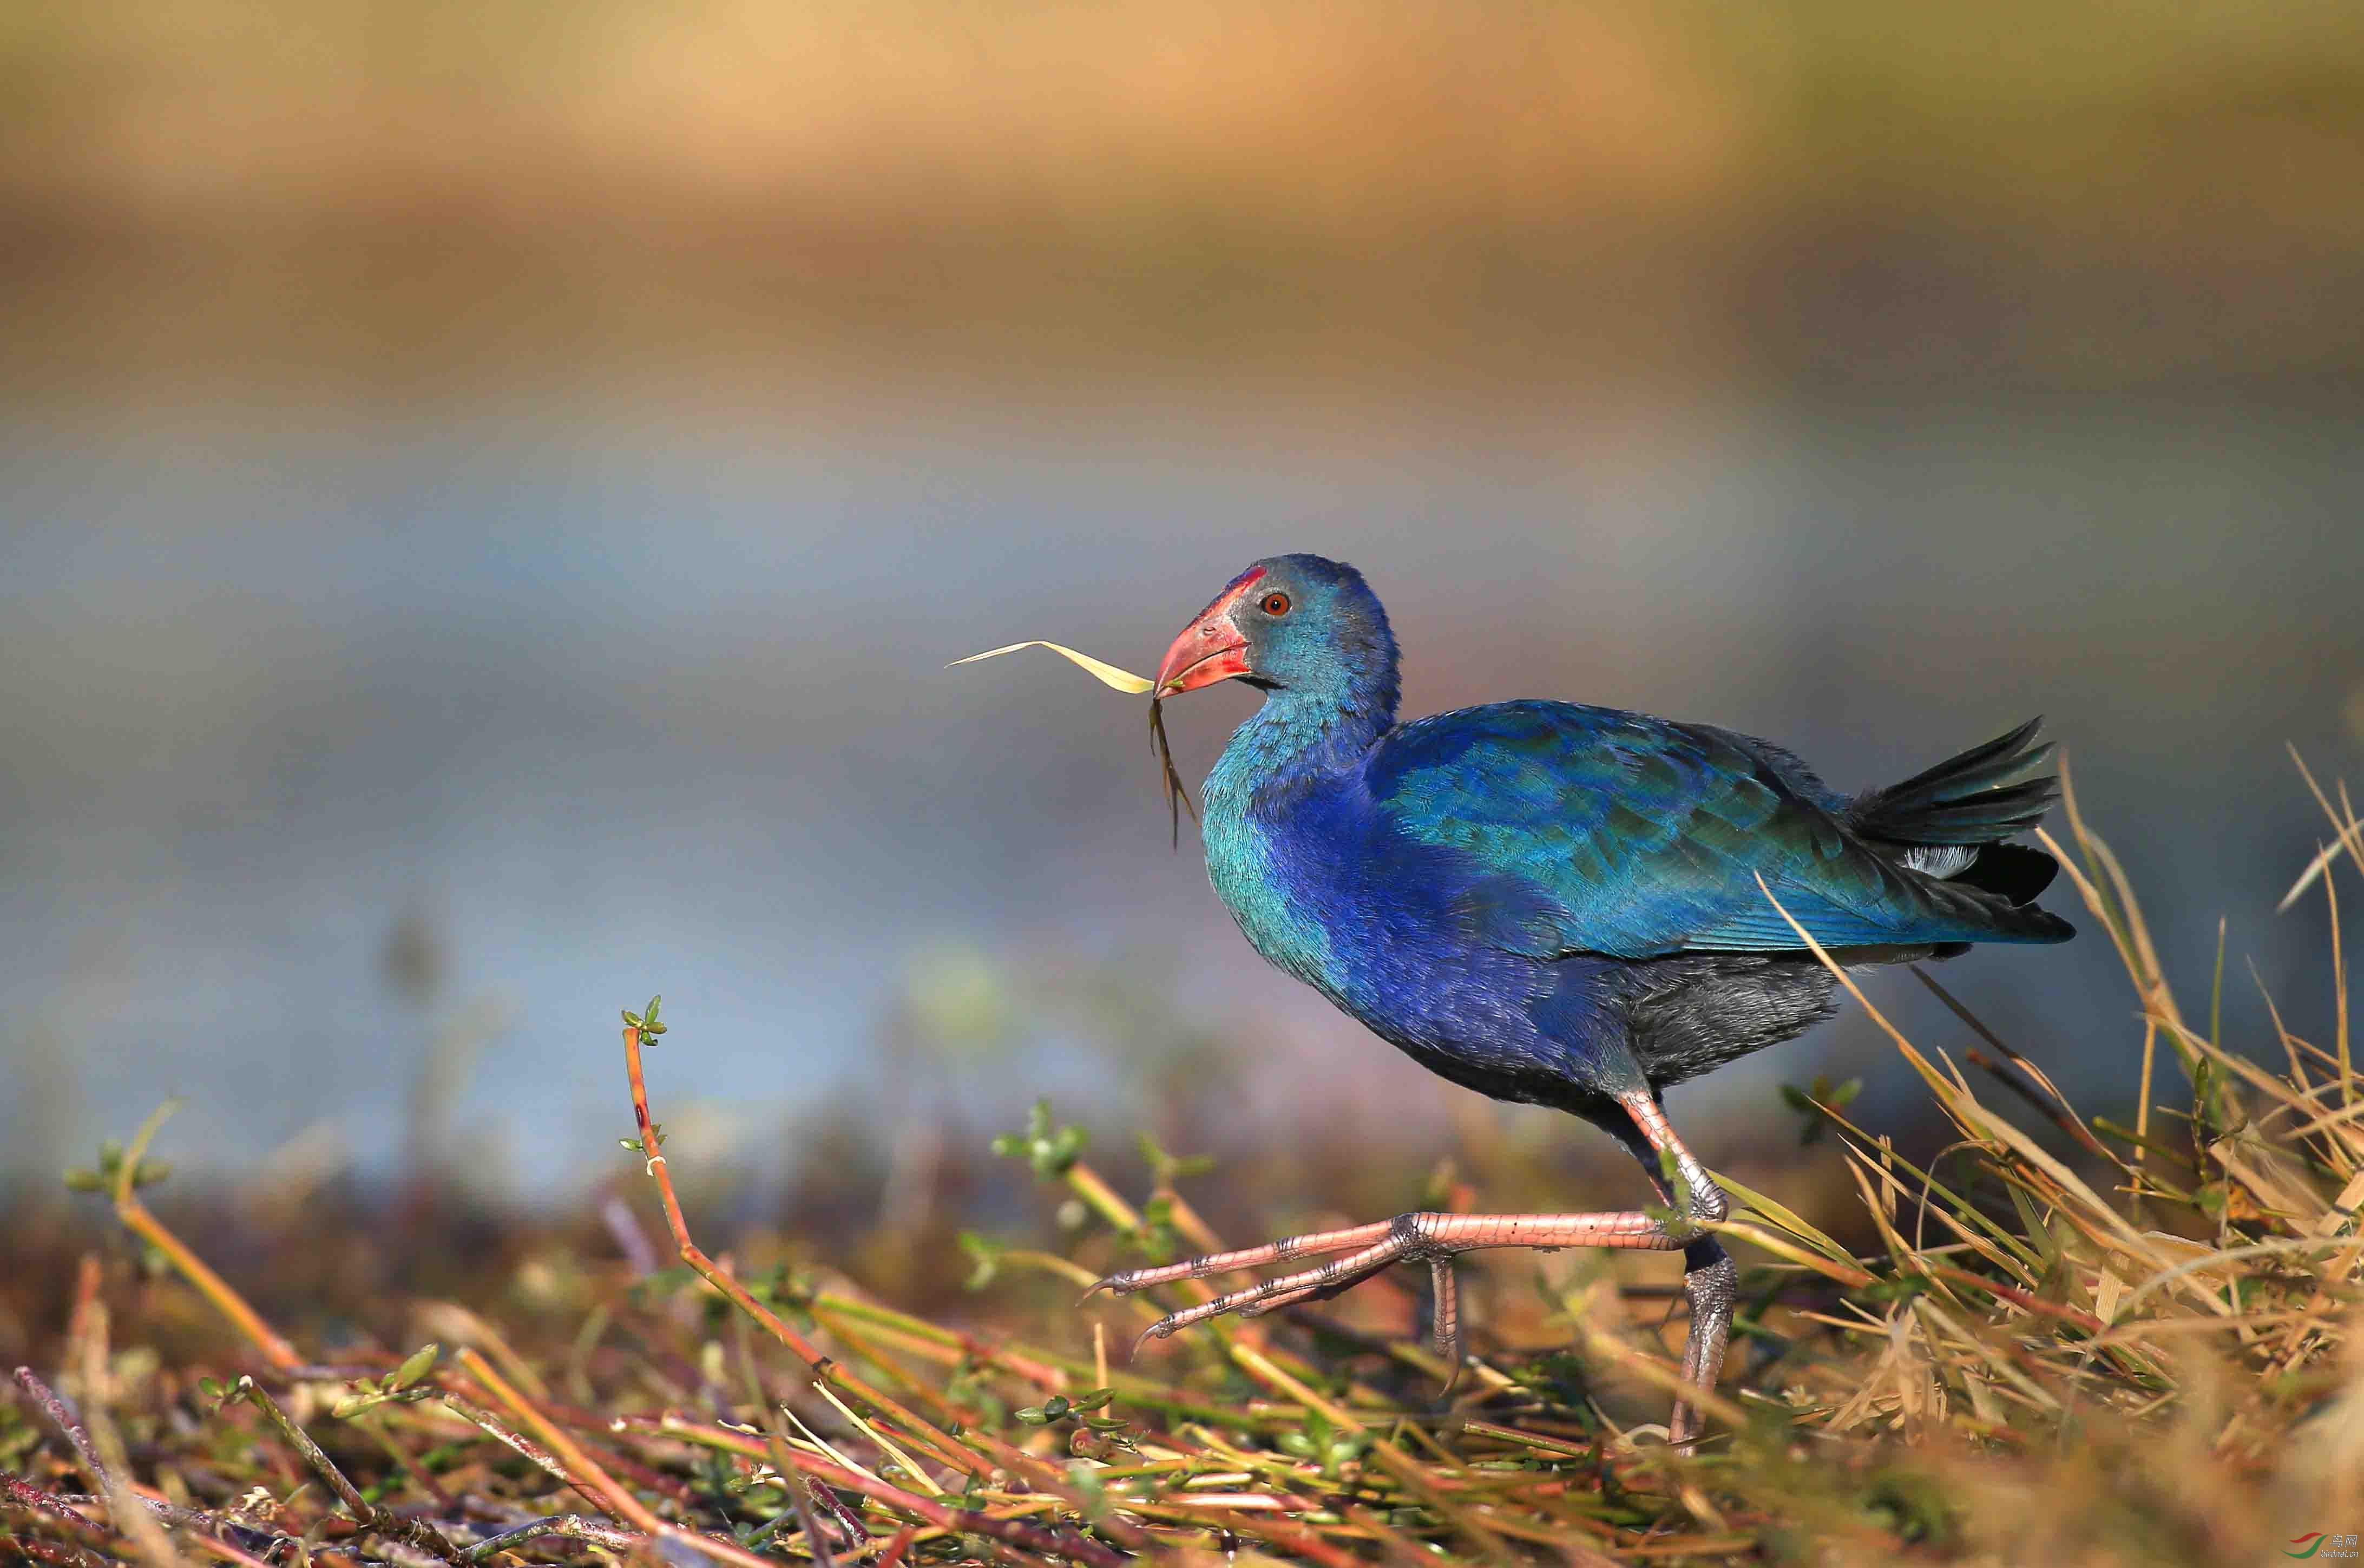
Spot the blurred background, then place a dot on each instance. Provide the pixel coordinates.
(489, 489)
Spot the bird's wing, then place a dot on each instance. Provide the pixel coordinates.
(1590, 830)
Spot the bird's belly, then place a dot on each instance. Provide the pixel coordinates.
(1471, 1015)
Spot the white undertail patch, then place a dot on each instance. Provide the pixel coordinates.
(1940, 860)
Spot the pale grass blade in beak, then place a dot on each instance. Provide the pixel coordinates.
(1177, 799)
(1105, 674)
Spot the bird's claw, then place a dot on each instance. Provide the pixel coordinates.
(1122, 1283)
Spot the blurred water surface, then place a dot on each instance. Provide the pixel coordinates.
(602, 705)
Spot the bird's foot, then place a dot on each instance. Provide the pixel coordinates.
(1711, 1286)
(1360, 1251)
(1695, 1204)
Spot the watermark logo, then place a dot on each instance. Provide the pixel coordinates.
(2314, 1541)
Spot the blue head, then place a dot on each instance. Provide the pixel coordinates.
(1302, 626)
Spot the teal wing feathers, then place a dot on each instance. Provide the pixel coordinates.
(1584, 829)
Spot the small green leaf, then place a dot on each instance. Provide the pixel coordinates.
(1811, 1127)
(419, 1362)
(987, 1259)
(1905, 1287)
(1066, 1147)
(1053, 1151)
(1164, 1168)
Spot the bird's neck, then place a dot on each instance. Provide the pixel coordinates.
(1299, 737)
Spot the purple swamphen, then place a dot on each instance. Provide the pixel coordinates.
(1561, 905)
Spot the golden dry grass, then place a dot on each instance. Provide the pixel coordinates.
(2075, 1343)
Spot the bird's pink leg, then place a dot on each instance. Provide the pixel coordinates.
(1414, 1237)
(1711, 1279)
(1356, 1252)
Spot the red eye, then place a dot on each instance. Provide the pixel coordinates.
(1275, 604)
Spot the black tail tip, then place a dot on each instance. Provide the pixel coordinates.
(2011, 872)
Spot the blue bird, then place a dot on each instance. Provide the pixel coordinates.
(1562, 905)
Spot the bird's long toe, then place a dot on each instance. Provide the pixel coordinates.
(1252, 1301)
(1315, 1244)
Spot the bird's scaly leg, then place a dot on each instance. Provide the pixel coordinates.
(1445, 1318)
(1711, 1279)
(1357, 1252)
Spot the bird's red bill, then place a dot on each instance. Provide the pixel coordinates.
(1210, 648)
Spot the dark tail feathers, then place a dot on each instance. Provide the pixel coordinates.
(1972, 800)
